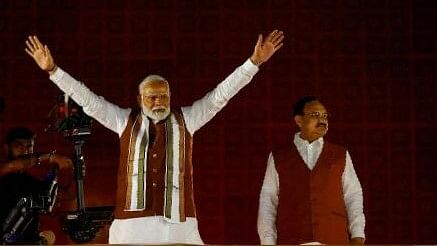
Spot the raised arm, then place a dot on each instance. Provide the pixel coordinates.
(108, 114)
(204, 109)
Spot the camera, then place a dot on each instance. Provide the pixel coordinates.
(68, 117)
(27, 209)
(75, 125)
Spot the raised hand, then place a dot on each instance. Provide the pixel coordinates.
(40, 53)
(265, 48)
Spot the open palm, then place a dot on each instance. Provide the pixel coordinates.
(40, 53)
(265, 48)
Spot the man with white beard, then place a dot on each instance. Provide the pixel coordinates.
(154, 200)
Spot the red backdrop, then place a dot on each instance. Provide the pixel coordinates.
(371, 61)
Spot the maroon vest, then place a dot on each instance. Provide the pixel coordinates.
(155, 187)
(311, 204)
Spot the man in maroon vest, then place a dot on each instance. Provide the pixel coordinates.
(311, 193)
(154, 200)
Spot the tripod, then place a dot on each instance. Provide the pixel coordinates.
(79, 171)
(79, 225)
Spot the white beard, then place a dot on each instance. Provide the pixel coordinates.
(157, 113)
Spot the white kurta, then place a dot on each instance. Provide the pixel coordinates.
(155, 230)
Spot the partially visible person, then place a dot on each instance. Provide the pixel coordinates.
(311, 193)
(18, 182)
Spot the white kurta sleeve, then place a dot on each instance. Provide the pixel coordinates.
(353, 199)
(109, 115)
(204, 109)
(268, 204)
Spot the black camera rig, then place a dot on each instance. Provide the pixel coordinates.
(70, 120)
(28, 208)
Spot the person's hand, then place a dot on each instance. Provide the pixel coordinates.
(357, 241)
(41, 54)
(47, 237)
(265, 48)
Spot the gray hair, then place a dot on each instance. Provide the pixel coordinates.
(150, 78)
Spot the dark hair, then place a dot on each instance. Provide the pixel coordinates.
(300, 104)
(19, 132)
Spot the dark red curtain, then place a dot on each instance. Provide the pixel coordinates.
(372, 62)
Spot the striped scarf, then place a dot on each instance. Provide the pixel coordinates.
(174, 167)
